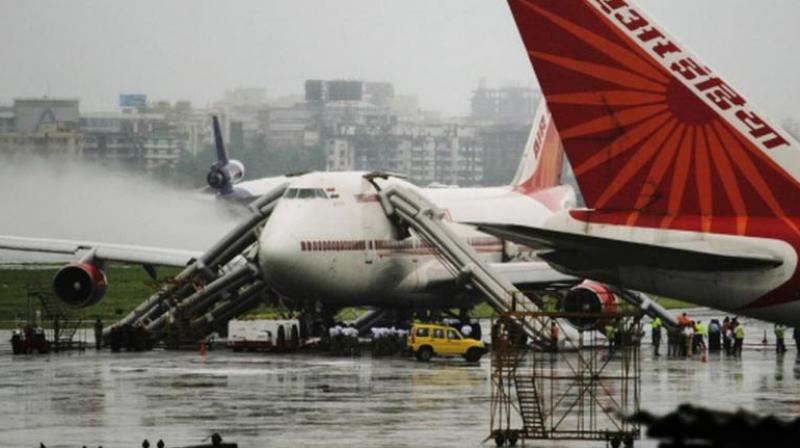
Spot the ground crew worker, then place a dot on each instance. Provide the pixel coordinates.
(738, 336)
(780, 346)
(727, 332)
(688, 339)
(673, 334)
(701, 334)
(714, 336)
(611, 335)
(466, 330)
(796, 337)
(554, 335)
(656, 334)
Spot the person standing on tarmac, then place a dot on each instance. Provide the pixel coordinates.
(98, 334)
(738, 336)
(796, 337)
(611, 335)
(656, 334)
(466, 330)
(554, 335)
(688, 338)
(780, 346)
(714, 335)
(673, 336)
(701, 334)
(726, 335)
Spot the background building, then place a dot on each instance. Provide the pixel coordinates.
(335, 125)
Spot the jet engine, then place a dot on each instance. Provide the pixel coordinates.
(226, 172)
(80, 284)
(222, 177)
(590, 297)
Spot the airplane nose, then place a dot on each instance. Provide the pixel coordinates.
(277, 255)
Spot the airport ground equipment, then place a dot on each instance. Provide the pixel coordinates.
(428, 340)
(221, 284)
(50, 325)
(582, 393)
(411, 210)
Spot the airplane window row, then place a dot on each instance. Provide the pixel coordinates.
(305, 193)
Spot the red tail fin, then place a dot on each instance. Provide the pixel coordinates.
(543, 158)
(649, 130)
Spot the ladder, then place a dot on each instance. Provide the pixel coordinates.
(530, 406)
(410, 209)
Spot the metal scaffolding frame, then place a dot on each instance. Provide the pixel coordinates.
(578, 393)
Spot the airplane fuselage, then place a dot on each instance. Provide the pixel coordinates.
(330, 241)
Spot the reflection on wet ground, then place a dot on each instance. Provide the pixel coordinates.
(302, 400)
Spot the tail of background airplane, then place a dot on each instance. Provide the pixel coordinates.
(543, 158)
(654, 137)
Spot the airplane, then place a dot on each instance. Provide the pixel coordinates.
(328, 242)
(690, 191)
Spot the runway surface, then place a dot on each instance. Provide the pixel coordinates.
(258, 400)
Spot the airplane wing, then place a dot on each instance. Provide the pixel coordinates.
(583, 253)
(102, 251)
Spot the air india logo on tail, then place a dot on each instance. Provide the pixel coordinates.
(654, 137)
(543, 159)
(711, 88)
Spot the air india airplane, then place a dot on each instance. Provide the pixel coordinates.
(329, 243)
(690, 191)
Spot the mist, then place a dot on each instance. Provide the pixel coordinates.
(66, 200)
(196, 49)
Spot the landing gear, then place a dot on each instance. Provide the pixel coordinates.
(316, 319)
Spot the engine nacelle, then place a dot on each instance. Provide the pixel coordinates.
(223, 177)
(80, 284)
(590, 297)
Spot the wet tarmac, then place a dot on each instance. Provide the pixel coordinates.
(263, 400)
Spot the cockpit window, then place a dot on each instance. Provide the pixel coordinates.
(305, 193)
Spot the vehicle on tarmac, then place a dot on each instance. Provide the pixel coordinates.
(262, 335)
(429, 340)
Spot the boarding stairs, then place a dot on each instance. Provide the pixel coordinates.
(411, 210)
(648, 306)
(224, 282)
(530, 407)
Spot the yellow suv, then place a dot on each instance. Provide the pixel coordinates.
(426, 340)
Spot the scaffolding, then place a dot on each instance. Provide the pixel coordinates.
(50, 325)
(579, 392)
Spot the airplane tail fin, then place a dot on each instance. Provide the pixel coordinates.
(542, 160)
(652, 134)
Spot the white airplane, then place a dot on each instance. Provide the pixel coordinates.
(690, 191)
(328, 242)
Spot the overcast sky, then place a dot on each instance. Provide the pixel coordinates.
(437, 49)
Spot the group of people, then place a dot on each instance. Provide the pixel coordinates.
(695, 338)
(388, 341)
(343, 340)
(29, 340)
(129, 338)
